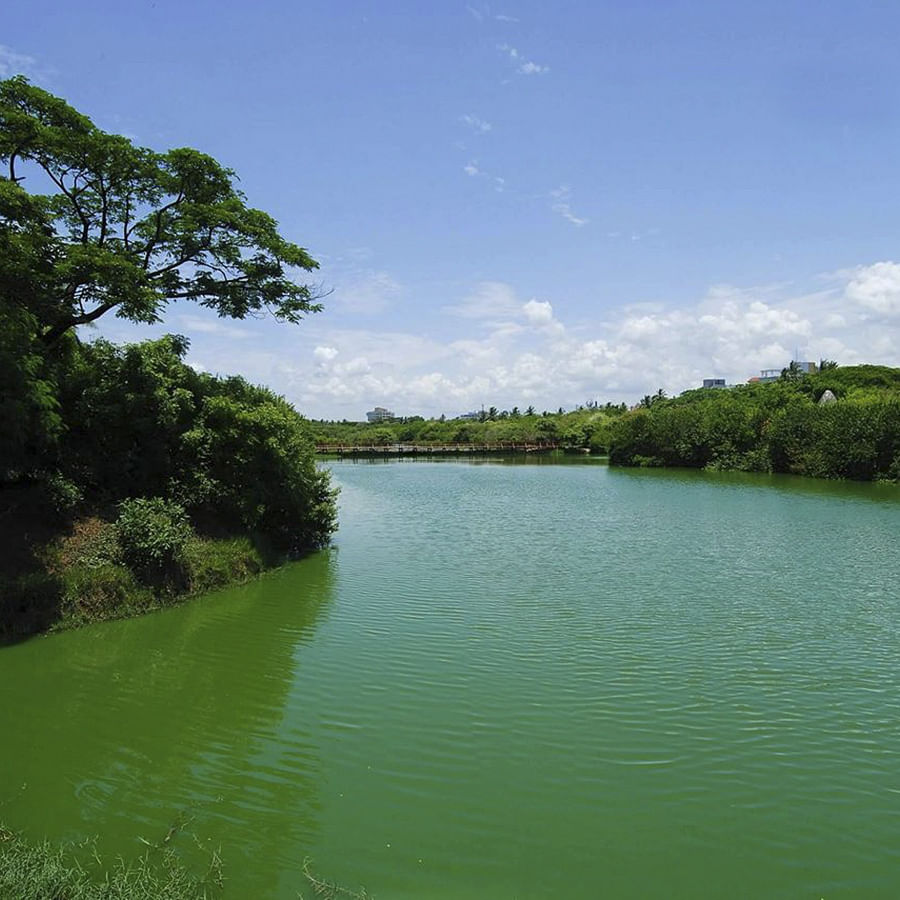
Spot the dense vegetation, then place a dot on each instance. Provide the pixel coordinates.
(778, 427)
(127, 478)
(582, 428)
(154, 481)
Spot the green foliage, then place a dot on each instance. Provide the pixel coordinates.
(105, 591)
(238, 458)
(29, 409)
(775, 427)
(152, 533)
(578, 429)
(128, 229)
(91, 427)
(214, 563)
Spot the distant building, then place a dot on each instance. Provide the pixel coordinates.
(379, 414)
(801, 368)
(713, 382)
(470, 415)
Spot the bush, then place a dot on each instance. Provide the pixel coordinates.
(153, 533)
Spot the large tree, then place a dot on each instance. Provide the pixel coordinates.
(91, 223)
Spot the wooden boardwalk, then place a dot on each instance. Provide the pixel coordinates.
(434, 449)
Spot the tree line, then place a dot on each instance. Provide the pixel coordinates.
(783, 426)
(583, 428)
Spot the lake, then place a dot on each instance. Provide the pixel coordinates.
(505, 680)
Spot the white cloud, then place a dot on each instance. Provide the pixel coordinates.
(496, 348)
(325, 354)
(476, 124)
(876, 287)
(13, 63)
(523, 66)
(474, 170)
(479, 15)
(492, 300)
(538, 312)
(561, 205)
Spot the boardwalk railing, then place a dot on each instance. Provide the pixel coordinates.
(444, 448)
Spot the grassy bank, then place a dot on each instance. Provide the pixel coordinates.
(61, 574)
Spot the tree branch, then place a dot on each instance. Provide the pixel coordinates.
(12, 167)
(104, 212)
(73, 199)
(159, 214)
(55, 332)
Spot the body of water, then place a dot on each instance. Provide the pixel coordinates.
(504, 681)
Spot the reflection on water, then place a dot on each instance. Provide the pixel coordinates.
(117, 728)
(821, 487)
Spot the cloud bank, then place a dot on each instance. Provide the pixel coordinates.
(517, 351)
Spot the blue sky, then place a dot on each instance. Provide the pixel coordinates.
(521, 203)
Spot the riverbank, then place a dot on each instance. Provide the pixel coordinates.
(58, 575)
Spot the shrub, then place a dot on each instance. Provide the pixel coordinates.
(153, 533)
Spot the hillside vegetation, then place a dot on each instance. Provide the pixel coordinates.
(777, 427)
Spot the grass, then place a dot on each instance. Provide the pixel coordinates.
(75, 871)
(43, 871)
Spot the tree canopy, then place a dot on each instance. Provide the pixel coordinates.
(91, 223)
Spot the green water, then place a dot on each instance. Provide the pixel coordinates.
(505, 681)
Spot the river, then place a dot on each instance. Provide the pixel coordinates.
(504, 681)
